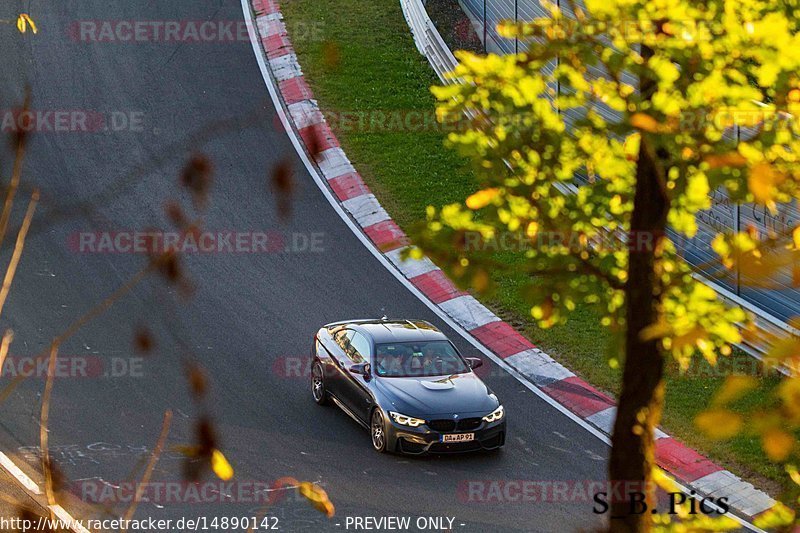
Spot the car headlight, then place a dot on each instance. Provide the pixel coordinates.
(496, 415)
(404, 420)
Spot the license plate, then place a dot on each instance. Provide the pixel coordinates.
(458, 437)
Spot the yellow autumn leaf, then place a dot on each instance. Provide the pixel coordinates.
(415, 253)
(794, 475)
(777, 444)
(763, 181)
(23, 21)
(631, 146)
(759, 269)
(664, 481)
(783, 349)
(644, 122)
(657, 330)
(690, 338)
(482, 198)
(719, 424)
(480, 280)
(789, 394)
(734, 388)
(32, 24)
(731, 159)
(221, 467)
(774, 517)
(796, 237)
(318, 498)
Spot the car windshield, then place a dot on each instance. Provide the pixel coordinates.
(418, 359)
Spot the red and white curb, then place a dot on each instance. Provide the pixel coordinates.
(556, 381)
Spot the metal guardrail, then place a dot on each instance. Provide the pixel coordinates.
(429, 42)
(428, 39)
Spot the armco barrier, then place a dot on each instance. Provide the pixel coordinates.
(427, 38)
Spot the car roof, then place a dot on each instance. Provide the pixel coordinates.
(388, 330)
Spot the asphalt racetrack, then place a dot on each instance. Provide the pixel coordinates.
(251, 317)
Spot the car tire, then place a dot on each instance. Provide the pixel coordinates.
(318, 391)
(377, 431)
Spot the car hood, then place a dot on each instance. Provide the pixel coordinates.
(441, 395)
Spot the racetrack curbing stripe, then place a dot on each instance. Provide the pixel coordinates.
(305, 113)
(386, 235)
(319, 136)
(715, 483)
(333, 163)
(605, 421)
(502, 339)
(285, 67)
(411, 268)
(269, 25)
(348, 186)
(295, 90)
(366, 210)
(579, 397)
(683, 462)
(265, 7)
(277, 45)
(436, 286)
(738, 492)
(539, 368)
(468, 312)
(555, 380)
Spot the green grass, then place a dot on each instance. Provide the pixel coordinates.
(363, 59)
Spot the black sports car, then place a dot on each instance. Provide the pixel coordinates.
(407, 383)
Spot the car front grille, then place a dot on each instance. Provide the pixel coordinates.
(442, 425)
(465, 424)
(468, 424)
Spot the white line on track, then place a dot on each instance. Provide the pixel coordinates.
(31, 486)
(18, 474)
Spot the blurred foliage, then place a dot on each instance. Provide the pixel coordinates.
(715, 65)
(24, 21)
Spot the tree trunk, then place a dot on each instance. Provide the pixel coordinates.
(642, 396)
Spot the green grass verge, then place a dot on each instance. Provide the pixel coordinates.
(361, 58)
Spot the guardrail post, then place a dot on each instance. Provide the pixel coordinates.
(516, 21)
(484, 27)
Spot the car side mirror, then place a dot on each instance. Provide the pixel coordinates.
(361, 369)
(474, 362)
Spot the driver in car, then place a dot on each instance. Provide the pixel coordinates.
(431, 361)
(389, 363)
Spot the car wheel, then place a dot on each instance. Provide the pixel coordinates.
(318, 385)
(377, 430)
